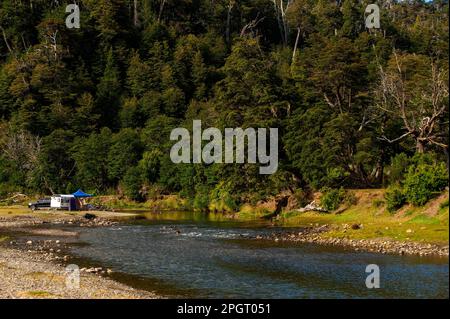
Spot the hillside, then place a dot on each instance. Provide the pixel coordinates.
(94, 107)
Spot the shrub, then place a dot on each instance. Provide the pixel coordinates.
(332, 198)
(401, 163)
(132, 183)
(221, 199)
(350, 198)
(398, 168)
(201, 199)
(423, 181)
(377, 203)
(395, 198)
(7, 189)
(301, 197)
(336, 176)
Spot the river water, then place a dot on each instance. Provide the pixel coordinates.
(191, 255)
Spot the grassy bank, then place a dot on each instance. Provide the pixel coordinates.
(429, 223)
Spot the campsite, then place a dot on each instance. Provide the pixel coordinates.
(71, 202)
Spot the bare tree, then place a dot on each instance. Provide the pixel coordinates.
(53, 36)
(281, 8)
(249, 27)
(297, 39)
(419, 98)
(6, 39)
(135, 13)
(23, 149)
(161, 9)
(298, 18)
(231, 4)
(49, 30)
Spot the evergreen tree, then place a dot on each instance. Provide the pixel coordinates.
(108, 93)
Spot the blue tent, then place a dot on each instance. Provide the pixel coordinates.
(80, 194)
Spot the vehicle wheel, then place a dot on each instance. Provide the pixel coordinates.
(33, 208)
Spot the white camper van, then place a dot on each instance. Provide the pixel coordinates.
(66, 202)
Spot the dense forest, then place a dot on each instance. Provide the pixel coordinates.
(93, 107)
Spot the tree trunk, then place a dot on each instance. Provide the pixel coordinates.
(228, 27)
(135, 14)
(6, 40)
(161, 9)
(420, 147)
(296, 44)
(446, 157)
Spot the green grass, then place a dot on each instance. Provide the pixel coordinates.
(419, 228)
(420, 224)
(3, 238)
(248, 212)
(425, 220)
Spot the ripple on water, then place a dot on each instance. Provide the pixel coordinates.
(215, 260)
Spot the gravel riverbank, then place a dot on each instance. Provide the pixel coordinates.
(317, 235)
(37, 268)
(27, 274)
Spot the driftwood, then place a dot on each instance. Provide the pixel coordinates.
(313, 206)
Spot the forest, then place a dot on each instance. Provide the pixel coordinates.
(93, 107)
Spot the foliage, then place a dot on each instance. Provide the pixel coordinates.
(201, 199)
(395, 198)
(378, 203)
(423, 181)
(398, 168)
(332, 198)
(94, 107)
(444, 204)
(132, 182)
(401, 163)
(302, 197)
(350, 198)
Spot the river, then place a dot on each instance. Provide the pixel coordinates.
(191, 255)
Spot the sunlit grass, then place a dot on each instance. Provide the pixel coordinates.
(3, 238)
(14, 210)
(420, 224)
(36, 294)
(248, 212)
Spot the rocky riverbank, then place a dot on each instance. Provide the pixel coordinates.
(28, 274)
(33, 260)
(318, 235)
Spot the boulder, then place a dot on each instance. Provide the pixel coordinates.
(89, 216)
